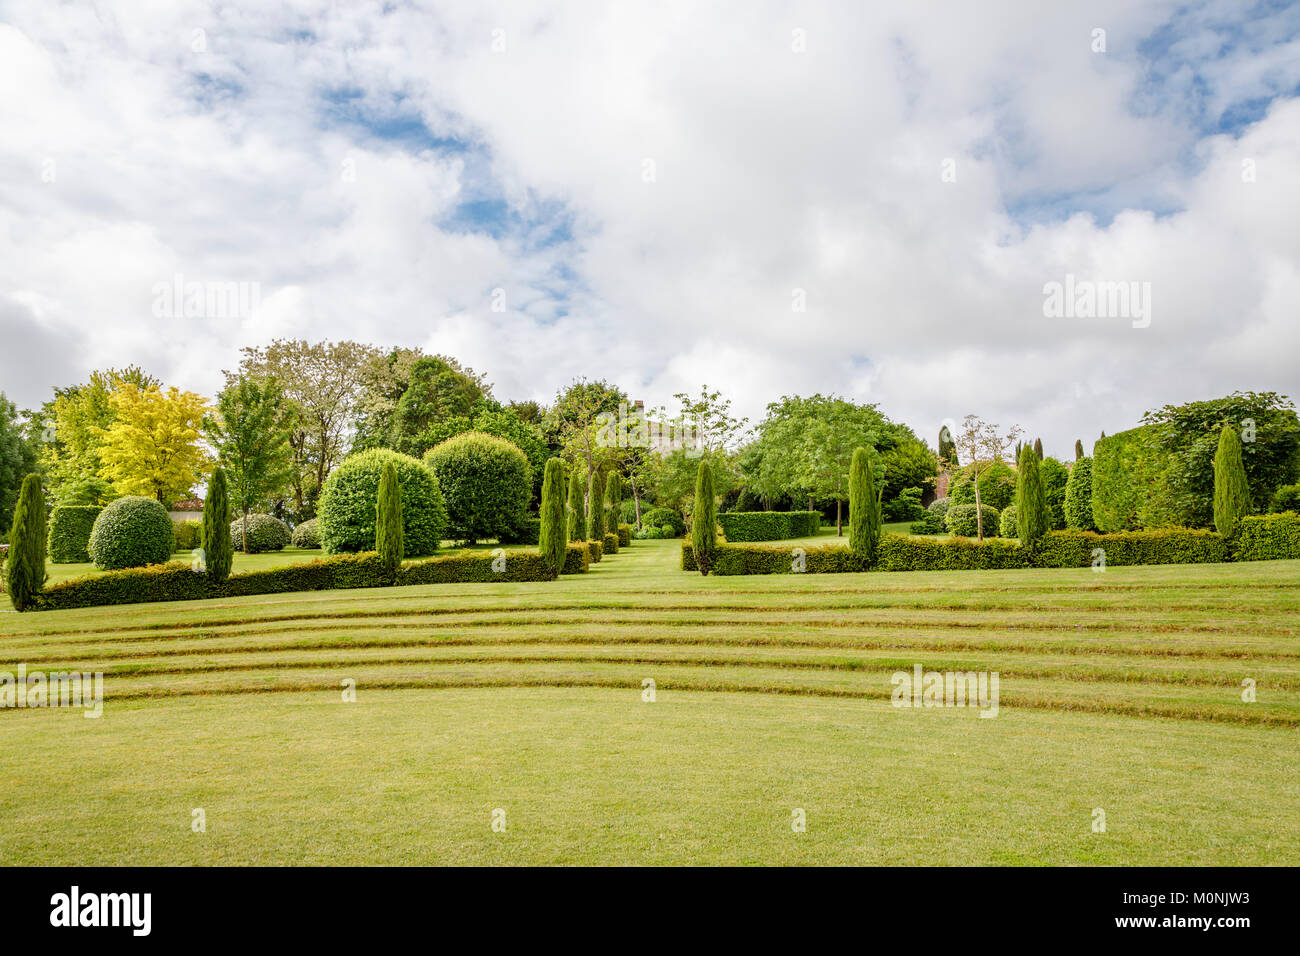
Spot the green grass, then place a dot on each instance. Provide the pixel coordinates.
(1119, 690)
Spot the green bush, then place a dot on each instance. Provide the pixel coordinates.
(610, 543)
(901, 553)
(189, 534)
(479, 566)
(307, 535)
(1231, 492)
(864, 508)
(1032, 520)
(486, 483)
(960, 520)
(906, 507)
(1075, 549)
(132, 532)
(939, 506)
(576, 507)
(25, 569)
(265, 533)
(1268, 537)
(1055, 477)
(997, 486)
(577, 558)
(624, 535)
(218, 555)
(668, 518)
(347, 504)
(1007, 522)
(70, 533)
(650, 532)
(733, 559)
(527, 530)
(759, 525)
(1131, 483)
(930, 524)
(596, 509)
(595, 551)
(1078, 497)
(1286, 498)
(704, 519)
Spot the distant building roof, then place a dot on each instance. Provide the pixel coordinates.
(188, 504)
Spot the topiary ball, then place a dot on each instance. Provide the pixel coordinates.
(307, 535)
(132, 532)
(939, 506)
(69, 535)
(347, 504)
(1007, 522)
(265, 533)
(961, 521)
(485, 481)
(668, 519)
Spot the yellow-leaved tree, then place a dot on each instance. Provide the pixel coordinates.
(152, 447)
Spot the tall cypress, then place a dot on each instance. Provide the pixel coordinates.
(577, 508)
(552, 540)
(389, 540)
(596, 509)
(864, 509)
(613, 501)
(218, 549)
(1038, 448)
(25, 569)
(1031, 503)
(1078, 449)
(1231, 492)
(704, 520)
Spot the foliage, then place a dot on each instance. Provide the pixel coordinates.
(189, 534)
(961, 520)
(1078, 497)
(152, 445)
(25, 565)
(250, 432)
(666, 518)
(1132, 485)
(132, 532)
(553, 538)
(577, 508)
(388, 523)
(939, 506)
(997, 485)
(1286, 498)
(610, 542)
(17, 460)
(1272, 537)
(864, 509)
(70, 533)
(1031, 506)
(613, 497)
(218, 551)
(306, 535)
(947, 449)
(760, 525)
(1007, 527)
(1231, 493)
(906, 507)
(485, 482)
(347, 505)
(577, 558)
(440, 391)
(985, 445)
(261, 532)
(704, 532)
(1055, 476)
(528, 530)
(931, 523)
(596, 508)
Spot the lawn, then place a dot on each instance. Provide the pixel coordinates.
(1120, 690)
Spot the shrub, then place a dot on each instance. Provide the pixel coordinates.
(218, 553)
(960, 520)
(939, 506)
(25, 567)
(479, 566)
(668, 518)
(624, 535)
(704, 517)
(1055, 478)
(906, 507)
(527, 530)
(1078, 497)
(553, 536)
(596, 509)
(1286, 498)
(486, 483)
(189, 534)
(1031, 505)
(1231, 493)
(263, 533)
(649, 531)
(388, 523)
(610, 543)
(595, 551)
(627, 512)
(766, 525)
(1074, 549)
(577, 508)
(1268, 537)
(930, 524)
(1007, 523)
(70, 533)
(997, 486)
(577, 558)
(1131, 484)
(901, 553)
(132, 532)
(307, 535)
(864, 508)
(347, 504)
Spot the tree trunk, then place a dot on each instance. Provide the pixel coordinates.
(810, 507)
(636, 504)
(243, 532)
(979, 512)
(839, 524)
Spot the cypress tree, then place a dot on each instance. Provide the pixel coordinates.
(1038, 448)
(388, 523)
(947, 448)
(596, 510)
(25, 569)
(613, 499)
(552, 540)
(1078, 497)
(218, 549)
(704, 520)
(577, 509)
(864, 509)
(1031, 503)
(1078, 449)
(1231, 492)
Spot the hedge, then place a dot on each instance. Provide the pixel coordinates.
(1056, 549)
(178, 582)
(610, 544)
(1130, 487)
(189, 534)
(577, 559)
(624, 535)
(1268, 537)
(595, 551)
(69, 535)
(769, 525)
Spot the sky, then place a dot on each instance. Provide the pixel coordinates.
(870, 200)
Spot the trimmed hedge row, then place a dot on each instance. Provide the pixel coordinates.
(624, 535)
(610, 543)
(595, 551)
(577, 559)
(176, 581)
(1269, 537)
(768, 525)
(1057, 549)
(69, 536)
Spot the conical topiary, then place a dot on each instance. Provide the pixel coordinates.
(1231, 491)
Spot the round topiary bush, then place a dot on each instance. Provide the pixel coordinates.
(486, 483)
(265, 533)
(1007, 522)
(70, 527)
(939, 506)
(666, 518)
(961, 521)
(347, 504)
(132, 532)
(307, 535)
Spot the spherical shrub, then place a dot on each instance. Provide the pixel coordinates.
(939, 506)
(1286, 498)
(961, 520)
(132, 532)
(1007, 522)
(486, 483)
(70, 527)
(265, 533)
(347, 504)
(667, 518)
(307, 535)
